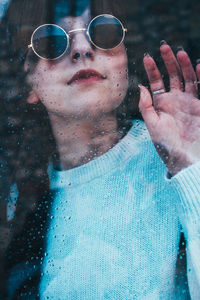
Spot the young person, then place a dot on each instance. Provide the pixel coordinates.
(117, 208)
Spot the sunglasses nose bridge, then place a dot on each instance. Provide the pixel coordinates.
(79, 34)
(77, 30)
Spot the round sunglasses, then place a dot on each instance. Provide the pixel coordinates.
(50, 41)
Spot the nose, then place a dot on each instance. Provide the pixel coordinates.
(81, 48)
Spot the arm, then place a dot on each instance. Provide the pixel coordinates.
(187, 185)
(173, 121)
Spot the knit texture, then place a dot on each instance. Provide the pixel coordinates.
(115, 229)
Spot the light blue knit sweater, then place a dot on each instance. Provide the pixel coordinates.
(115, 226)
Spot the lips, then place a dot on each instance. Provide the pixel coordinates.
(86, 76)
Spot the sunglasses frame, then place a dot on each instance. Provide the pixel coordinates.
(86, 30)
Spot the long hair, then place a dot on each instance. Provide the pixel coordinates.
(28, 159)
(25, 129)
(28, 143)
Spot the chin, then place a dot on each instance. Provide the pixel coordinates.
(103, 103)
(86, 105)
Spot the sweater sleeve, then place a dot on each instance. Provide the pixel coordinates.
(187, 184)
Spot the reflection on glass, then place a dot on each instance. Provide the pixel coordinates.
(99, 175)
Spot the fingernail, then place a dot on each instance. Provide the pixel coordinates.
(163, 42)
(198, 61)
(179, 48)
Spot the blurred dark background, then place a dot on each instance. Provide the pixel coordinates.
(150, 21)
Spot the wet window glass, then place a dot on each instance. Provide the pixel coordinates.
(99, 149)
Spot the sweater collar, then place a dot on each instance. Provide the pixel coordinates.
(129, 146)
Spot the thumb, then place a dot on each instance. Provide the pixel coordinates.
(147, 110)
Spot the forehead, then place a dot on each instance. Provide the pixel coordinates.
(67, 8)
(71, 22)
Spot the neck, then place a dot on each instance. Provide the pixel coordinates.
(79, 142)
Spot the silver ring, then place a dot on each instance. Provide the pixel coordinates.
(161, 91)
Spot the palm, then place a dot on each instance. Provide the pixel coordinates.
(173, 120)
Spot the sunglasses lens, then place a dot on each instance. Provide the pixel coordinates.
(106, 32)
(49, 41)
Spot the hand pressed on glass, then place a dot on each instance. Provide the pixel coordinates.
(173, 118)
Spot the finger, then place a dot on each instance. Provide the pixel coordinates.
(145, 105)
(188, 72)
(172, 67)
(154, 76)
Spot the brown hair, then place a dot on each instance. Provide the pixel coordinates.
(28, 160)
(29, 142)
